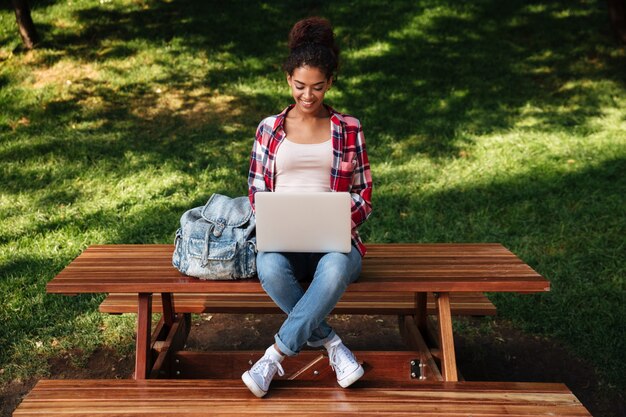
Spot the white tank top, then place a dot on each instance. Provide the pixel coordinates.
(303, 166)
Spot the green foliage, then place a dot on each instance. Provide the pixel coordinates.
(486, 121)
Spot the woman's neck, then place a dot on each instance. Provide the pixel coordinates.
(323, 113)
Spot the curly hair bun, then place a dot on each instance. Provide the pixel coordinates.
(312, 30)
(312, 42)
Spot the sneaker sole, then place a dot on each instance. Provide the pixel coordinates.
(252, 386)
(352, 378)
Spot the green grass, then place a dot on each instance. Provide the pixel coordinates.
(486, 121)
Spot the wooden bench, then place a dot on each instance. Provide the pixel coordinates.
(303, 398)
(390, 272)
(461, 304)
(400, 304)
(396, 279)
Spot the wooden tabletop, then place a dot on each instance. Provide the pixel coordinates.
(386, 268)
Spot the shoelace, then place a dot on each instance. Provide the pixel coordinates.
(263, 367)
(335, 352)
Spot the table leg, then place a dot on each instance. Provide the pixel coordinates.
(143, 349)
(446, 339)
(168, 308)
(421, 312)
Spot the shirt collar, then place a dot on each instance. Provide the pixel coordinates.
(335, 117)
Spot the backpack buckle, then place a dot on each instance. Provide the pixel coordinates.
(218, 229)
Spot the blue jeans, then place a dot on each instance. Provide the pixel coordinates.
(280, 275)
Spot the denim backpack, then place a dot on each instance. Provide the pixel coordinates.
(217, 241)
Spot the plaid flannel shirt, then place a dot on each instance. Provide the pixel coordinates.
(350, 170)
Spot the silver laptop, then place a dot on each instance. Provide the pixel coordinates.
(303, 222)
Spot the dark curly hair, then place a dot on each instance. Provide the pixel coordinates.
(312, 43)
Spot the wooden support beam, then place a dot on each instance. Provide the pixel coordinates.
(174, 342)
(414, 339)
(143, 345)
(168, 308)
(308, 365)
(446, 339)
(421, 314)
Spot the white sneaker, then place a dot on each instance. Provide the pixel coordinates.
(344, 364)
(258, 378)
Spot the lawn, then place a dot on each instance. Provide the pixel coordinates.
(486, 121)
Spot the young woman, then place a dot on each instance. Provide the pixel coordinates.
(309, 147)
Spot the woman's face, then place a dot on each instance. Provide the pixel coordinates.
(308, 87)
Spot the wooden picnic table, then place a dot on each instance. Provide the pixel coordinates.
(388, 268)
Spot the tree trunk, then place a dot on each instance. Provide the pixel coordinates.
(25, 23)
(617, 14)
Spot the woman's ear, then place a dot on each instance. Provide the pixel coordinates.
(289, 79)
(329, 83)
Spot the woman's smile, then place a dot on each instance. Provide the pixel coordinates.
(308, 87)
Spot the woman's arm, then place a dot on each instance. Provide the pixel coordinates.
(361, 190)
(256, 174)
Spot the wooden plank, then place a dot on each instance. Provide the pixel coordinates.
(446, 339)
(386, 268)
(476, 304)
(421, 310)
(309, 365)
(136, 283)
(87, 260)
(143, 346)
(167, 308)
(305, 398)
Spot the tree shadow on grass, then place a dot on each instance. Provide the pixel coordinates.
(433, 84)
(423, 80)
(568, 226)
(242, 28)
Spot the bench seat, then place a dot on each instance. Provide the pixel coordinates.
(303, 398)
(465, 304)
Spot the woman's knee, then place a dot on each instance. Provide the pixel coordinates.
(272, 268)
(341, 267)
(336, 272)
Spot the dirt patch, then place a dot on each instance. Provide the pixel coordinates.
(195, 107)
(252, 332)
(12, 395)
(492, 350)
(63, 73)
(102, 364)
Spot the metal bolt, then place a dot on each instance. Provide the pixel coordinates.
(177, 361)
(422, 378)
(422, 365)
(250, 362)
(177, 372)
(412, 363)
(413, 375)
(316, 372)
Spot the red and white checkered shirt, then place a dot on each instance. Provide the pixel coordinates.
(350, 170)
